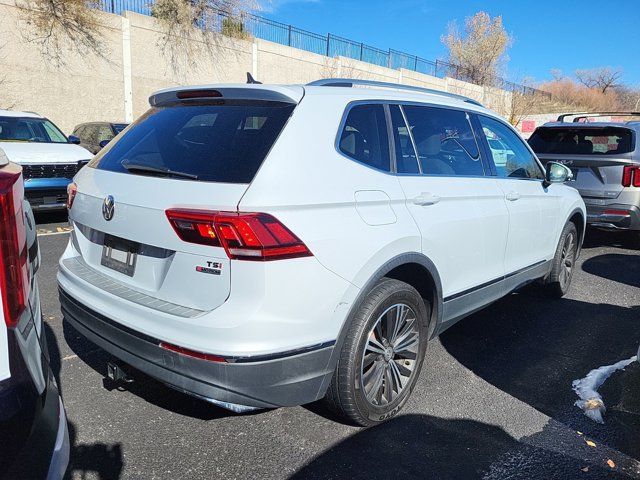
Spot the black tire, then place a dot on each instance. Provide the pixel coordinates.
(564, 261)
(359, 366)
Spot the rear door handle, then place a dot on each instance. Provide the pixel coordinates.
(426, 198)
(512, 196)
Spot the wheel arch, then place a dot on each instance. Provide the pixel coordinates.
(413, 268)
(578, 219)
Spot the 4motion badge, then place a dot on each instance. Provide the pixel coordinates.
(212, 268)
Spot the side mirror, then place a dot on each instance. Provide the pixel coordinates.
(73, 139)
(557, 173)
(103, 143)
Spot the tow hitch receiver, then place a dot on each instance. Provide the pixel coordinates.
(117, 374)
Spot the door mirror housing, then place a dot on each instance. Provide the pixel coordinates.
(557, 173)
(73, 139)
(103, 143)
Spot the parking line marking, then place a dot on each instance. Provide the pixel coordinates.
(43, 232)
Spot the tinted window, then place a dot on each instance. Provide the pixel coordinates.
(25, 129)
(582, 141)
(118, 127)
(104, 133)
(215, 143)
(444, 140)
(405, 153)
(90, 134)
(510, 154)
(364, 136)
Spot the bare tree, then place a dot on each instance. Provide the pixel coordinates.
(339, 67)
(479, 52)
(602, 78)
(55, 24)
(191, 27)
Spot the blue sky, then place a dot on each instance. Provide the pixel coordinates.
(560, 34)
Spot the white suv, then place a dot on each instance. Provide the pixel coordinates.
(261, 246)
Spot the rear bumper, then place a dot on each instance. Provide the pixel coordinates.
(290, 378)
(614, 216)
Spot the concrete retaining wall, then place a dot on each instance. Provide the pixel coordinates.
(135, 61)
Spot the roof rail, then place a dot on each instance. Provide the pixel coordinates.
(352, 82)
(582, 115)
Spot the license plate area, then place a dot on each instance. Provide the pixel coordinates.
(120, 255)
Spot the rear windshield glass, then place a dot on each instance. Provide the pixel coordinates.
(212, 143)
(582, 141)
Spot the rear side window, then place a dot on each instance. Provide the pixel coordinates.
(582, 141)
(406, 161)
(213, 143)
(364, 136)
(445, 141)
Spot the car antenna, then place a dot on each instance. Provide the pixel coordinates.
(252, 80)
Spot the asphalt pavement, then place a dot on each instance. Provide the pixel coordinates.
(493, 401)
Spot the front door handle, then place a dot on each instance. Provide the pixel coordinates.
(426, 198)
(512, 196)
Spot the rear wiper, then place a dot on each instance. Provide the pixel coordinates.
(136, 167)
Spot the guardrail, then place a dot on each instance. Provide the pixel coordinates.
(329, 45)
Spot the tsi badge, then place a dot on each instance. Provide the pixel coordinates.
(212, 268)
(108, 207)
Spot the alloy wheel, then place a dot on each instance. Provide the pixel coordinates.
(390, 354)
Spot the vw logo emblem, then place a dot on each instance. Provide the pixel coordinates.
(108, 207)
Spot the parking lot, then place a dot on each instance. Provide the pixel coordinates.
(494, 399)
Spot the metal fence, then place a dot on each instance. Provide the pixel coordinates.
(328, 45)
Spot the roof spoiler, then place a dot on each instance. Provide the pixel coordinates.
(253, 92)
(579, 116)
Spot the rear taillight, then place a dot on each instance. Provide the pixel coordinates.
(14, 263)
(244, 236)
(631, 176)
(72, 189)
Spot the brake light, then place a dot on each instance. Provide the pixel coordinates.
(244, 236)
(631, 176)
(14, 263)
(192, 353)
(72, 189)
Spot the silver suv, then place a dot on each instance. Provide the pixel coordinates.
(605, 160)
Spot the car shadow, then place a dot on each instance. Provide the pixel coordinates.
(533, 349)
(142, 385)
(420, 446)
(615, 266)
(595, 237)
(95, 460)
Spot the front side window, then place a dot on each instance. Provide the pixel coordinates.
(211, 142)
(444, 140)
(510, 155)
(364, 136)
(27, 129)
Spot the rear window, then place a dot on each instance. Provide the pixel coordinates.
(213, 143)
(582, 141)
